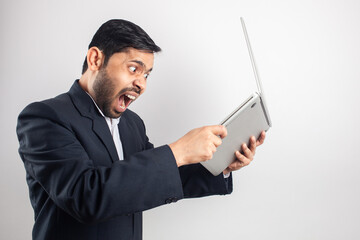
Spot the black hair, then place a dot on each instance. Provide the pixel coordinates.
(118, 35)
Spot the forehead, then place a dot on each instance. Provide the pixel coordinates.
(132, 56)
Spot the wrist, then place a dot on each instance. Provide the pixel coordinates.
(177, 154)
(226, 172)
(226, 175)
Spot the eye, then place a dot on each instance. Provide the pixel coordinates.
(132, 69)
(146, 75)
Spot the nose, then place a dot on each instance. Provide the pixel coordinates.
(140, 83)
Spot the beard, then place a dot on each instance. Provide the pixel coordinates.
(104, 89)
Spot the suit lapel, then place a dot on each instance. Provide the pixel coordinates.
(101, 129)
(87, 108)
(127, 137)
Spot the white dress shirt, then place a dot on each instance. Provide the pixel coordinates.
(114, 130)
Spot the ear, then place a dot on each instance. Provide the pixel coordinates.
(95, 58)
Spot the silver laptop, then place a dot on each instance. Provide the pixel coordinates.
(249, 119)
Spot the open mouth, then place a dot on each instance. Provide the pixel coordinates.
(125, 100)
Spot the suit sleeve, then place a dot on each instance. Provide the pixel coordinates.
(54, 157)
(199, 182)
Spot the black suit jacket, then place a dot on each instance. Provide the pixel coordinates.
(78, 187)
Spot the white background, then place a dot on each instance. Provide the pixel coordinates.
(304, 182)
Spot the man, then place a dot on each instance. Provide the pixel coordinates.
(90, 167)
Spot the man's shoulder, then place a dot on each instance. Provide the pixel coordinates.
(131, 114)
(62, 100)
(133, 117)
(60, 105)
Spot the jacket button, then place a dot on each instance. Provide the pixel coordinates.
(171, 200)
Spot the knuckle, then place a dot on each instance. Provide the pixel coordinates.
(201, 130)
(239, 155)
(247, 152)
(208, 155)
(241, 158)
(225, 130)
(222, 129)
(213, 150)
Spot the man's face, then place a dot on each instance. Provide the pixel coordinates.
(122, 81)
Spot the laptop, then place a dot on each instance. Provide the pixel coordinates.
(249, 119)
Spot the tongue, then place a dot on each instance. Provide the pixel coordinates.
(121, 105)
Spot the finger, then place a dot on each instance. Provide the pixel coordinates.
(219, 130)
(216, 141)
(213, 148)
(239, 156)
(247, 152)
(253, 144)
(261, 139)
(235, 166)
(242, 160)
(208, 153)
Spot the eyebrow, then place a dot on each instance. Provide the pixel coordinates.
(141, 64)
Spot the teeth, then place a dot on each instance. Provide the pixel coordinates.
(123, 105)
(130, 96)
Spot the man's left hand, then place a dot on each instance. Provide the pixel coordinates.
(243, 159)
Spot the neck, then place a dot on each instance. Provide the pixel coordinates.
(86, 82)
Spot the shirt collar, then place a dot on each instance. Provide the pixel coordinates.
(112, 120)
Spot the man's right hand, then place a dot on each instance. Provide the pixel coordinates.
(198, 145)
